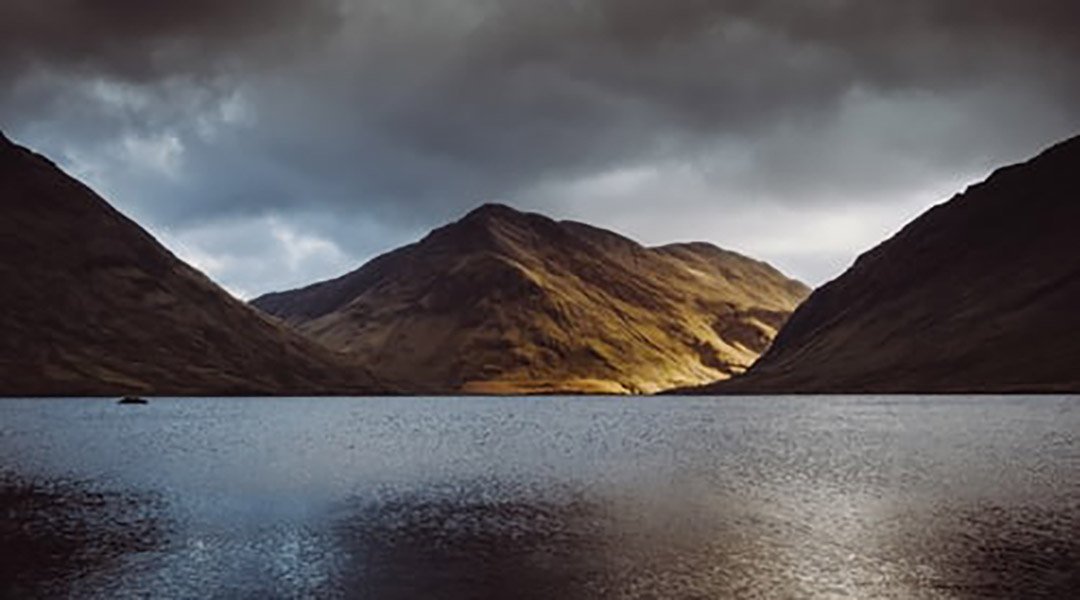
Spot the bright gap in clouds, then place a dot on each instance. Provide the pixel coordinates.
(244, 254)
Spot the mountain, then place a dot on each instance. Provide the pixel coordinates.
(503, 301)
(91, 304)
(979, 294)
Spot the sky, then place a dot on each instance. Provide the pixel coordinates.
(274, 143)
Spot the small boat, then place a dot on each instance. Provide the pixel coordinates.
(132, 400)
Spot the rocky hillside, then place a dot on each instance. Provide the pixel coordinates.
(91, 304)
(508, 302)
(979, 294)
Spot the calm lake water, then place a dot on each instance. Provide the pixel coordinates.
(771, 497)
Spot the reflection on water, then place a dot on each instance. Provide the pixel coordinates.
(454, 548)
(993, 551)
(53, 534)
(542, 498)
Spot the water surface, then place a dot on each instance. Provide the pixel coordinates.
(770, 497)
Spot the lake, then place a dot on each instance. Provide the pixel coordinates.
(672, 497)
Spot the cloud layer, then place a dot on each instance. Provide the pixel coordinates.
(801, 132)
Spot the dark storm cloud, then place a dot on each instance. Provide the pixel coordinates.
(393, 116)
(512, 93)
(139, 40)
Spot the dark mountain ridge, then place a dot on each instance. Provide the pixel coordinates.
(92, 304)
(979, 294)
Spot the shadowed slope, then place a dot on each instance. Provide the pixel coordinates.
(92, 304)
(509, 302)
(980, 294)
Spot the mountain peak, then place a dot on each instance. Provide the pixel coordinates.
(493, 209)
(493, 225)
(496, 213)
